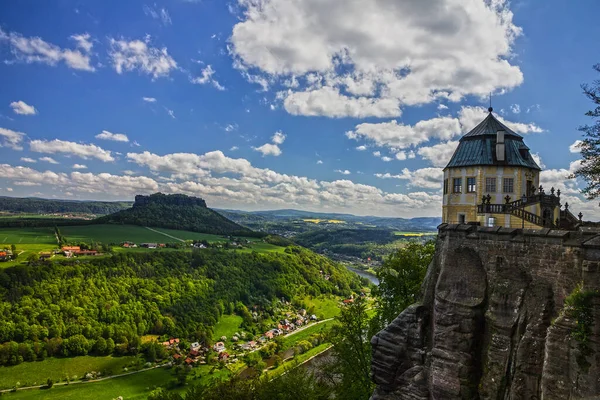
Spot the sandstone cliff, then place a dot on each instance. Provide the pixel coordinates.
(493, 323)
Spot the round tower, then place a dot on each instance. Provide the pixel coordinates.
(493, 180)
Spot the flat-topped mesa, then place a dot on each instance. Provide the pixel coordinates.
(169, 199)
(494, 321)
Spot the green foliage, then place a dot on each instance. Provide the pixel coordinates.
(400, 279)
(590, 146)
(34, 206)
(49, 383)
(580, 307)
(294, 384)
(103, 305)
(175, 211)
(351, 242)
(351, 361)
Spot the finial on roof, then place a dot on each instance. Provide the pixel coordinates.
(490, 109)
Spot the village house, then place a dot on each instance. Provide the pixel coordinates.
(71, 248)
(219, 347)
(44, 255)
(3, 256)
(149, 245)
(194, 346)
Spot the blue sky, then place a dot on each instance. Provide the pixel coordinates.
(340, 105)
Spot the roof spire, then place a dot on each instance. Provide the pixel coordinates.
(490, 109)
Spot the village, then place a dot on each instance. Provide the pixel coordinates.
(199, 353)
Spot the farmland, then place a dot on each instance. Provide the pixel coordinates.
(32, 240)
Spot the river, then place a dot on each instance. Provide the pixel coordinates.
(364, 274)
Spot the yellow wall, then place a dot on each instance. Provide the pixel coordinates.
(466, 203)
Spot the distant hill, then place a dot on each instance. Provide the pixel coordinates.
(175, 211)
(33, 205)
(254, 219)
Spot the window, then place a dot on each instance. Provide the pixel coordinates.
(445, 186)
(462, 219)
(471, 185)
(508, 185)
(457, 185)
(490, 185)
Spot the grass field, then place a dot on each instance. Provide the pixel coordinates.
(414, 234)
(291, 340)
(136, 386)
(227, 326)
(324, 307)
(57, 369)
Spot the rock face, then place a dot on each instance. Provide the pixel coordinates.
(492, 323)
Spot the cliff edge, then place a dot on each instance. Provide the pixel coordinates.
(505, 314)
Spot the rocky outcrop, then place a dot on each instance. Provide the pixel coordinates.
(492, 323)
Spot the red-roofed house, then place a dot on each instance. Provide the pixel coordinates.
(176, 356)
(71, 248)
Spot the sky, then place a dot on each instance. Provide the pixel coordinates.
(324, 105)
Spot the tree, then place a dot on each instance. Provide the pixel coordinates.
(350, 367)
(589, 170)
(400, 279)
(49, 383)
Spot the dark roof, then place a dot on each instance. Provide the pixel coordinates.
(478, 147)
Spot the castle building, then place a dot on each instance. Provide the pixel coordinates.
(492, 180)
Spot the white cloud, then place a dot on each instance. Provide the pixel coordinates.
(49, 160)
(231, 127)
(159, 14)
(11, 139)
(386, 159)
(575, 147)
(343, 172)
(319, 162)
(377, 153)
(268, 149)
(429, 178)
(22, 108)
(171, 113)
(26, 183)
(538, 160)
(442, 107)
(361, 148)
(84, 151)
(206, 77)
(136, 144)
(28, 160)
(149, 99)
(138, 55)
(449, 49)
(515, 108)
(330, 102)
(400, 136)
(79, 166)
(278, 137)
(115, 137)
(401, 156)
(440, 154)
(234, 148)
(9, 189)
(35, 49)
(469, 117)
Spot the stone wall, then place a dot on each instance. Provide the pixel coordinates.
(492, 322)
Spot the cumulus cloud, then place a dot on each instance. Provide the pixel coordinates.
(139, 55)
(515, 108)
(149, 99)
(28, 160)
(348, 66)
(575, 147)
(36, 50)
(361, 148)
(234, 148)
(115, 137)
(440, 154)
(206, 77)
(428, 178)
(272, 149)
(79, 166)
(12, 139)
(49, 160)
(319, 162)
(442, 107)
(400, 136)
(84, 151)
(342, 171)
(22, 108)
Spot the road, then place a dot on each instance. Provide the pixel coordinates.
(164, 234)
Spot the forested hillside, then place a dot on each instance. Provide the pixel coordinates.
(37, 206)
(104, 306)
(175, 211)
